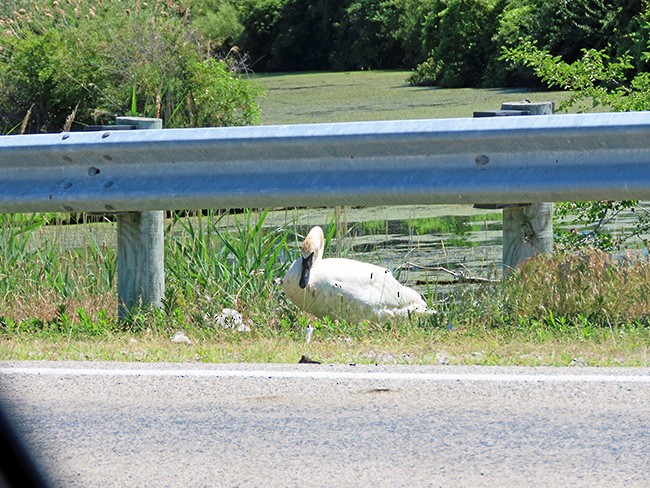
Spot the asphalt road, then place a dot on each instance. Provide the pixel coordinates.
(140, 425)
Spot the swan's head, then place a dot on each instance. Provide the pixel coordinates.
(311, 251)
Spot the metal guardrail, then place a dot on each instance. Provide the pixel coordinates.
(469, 160)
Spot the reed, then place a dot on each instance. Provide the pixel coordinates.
(217, 266)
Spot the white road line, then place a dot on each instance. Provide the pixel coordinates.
(334, 375)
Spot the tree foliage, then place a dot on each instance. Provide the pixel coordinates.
(285, 35)
(597, 81)
(218, 21)
(449, 42)
(366, 24)
(88, 61)
(462, 44)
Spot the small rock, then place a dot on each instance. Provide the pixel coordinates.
(578, 362)
(441, 358)
(307, 360)
(180, 337)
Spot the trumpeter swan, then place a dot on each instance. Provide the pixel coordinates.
(346, 289)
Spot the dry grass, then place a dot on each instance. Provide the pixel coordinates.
(591, 285)
(47, 304)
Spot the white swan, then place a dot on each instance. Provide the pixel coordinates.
(346, 289)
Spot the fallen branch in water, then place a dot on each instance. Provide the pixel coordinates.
(459, 275)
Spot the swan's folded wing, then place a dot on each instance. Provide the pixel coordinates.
(362, 290)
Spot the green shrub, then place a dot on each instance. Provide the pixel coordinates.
(40, 72)
(138, 58)
(219, 97)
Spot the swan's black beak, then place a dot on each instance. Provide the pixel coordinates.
(306, 266)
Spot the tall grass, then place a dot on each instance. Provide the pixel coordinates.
(38, 276)
(586, 287)
(215, 266)
(220, 260)
(212, 261)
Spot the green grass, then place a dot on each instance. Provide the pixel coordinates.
(535, 344)
(300, 98)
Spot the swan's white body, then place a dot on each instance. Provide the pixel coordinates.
(346, 289)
